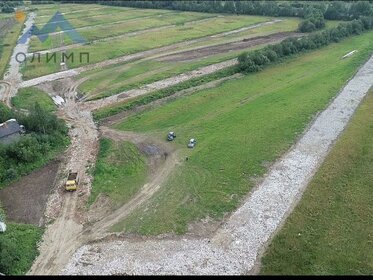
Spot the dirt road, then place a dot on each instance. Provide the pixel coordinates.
(61, 237)
(227, 47)
(13, 76)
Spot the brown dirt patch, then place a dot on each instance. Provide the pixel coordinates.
(227, 47)
(25, 200)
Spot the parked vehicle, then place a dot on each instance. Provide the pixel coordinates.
(171, 136)
(192, 143)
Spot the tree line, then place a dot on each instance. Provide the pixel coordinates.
(45, 134)
(333, 10)
(256, 60)
(314, 13)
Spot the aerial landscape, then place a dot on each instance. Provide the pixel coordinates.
(186, 137)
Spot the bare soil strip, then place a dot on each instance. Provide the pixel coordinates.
(235, 247)
(25, 199)
(227, 47)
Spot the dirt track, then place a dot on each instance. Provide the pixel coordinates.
(61, 237)
(223, 48)
(66, 233)
(147, 191)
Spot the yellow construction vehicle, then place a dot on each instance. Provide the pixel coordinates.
(72, 181)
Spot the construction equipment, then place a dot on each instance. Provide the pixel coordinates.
(72, 181)
(171, 136)
(192, 143)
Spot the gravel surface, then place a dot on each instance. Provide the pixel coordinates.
(13, 75)
(235, 247)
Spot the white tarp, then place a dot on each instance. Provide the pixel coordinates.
(2, 227)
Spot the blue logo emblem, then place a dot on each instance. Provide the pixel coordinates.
(57, 21)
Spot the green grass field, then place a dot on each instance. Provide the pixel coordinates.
(240, 126)
(26, 97)
(119, 172)
(7, 44)
(330, 231)
(18, 248)
(35, 69)
(48, 9)
(111, 30)
(115, 79)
